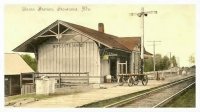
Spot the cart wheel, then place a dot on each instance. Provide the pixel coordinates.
(145, 80)
(135, 80)
(120, 81)
(130, 81)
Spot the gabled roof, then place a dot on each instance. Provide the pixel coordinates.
(15, 65)
(100, 36)
(111, 41)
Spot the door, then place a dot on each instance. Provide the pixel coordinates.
(7, 87)
(113, 67)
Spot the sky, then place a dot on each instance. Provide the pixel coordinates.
(172, 25)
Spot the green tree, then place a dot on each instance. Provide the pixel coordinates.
(166, 62)
(30, 61)
(158, 62)
(173, 60)
(148, 64)
(162, 63)
(192, 59)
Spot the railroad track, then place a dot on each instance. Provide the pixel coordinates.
(156, 97)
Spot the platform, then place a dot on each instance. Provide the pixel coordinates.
(109, 91)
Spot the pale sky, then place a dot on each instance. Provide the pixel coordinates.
(174, 25)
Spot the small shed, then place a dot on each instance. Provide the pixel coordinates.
(15, 68)
(69, 49)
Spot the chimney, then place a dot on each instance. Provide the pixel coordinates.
(101, 27)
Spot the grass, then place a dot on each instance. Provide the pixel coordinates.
(187, 99)
(16, 97)
(11, 100)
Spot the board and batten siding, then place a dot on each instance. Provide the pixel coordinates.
(70, 54)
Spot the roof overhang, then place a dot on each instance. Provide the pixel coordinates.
(32, 43)
(50, 32)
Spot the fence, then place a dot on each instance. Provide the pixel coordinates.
(67, 79)
(27, 83)
(27, 88)
(161, 74)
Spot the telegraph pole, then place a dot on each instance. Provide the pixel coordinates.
(154, 54)
(170, 63)
(142, 14)
(170, 58)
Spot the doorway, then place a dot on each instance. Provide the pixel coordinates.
(113, 67)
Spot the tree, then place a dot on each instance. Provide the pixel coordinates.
(166, 62)
(30, 61)
(173, 60)
(148, 64)
(192, 59)
(162, 63)
(158, 61)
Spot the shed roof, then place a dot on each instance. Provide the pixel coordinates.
(111, 41)
(129, 42)
(15, 65)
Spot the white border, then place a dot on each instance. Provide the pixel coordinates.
(4, 2)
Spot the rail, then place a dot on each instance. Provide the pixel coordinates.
(125, 101)
(172, 97)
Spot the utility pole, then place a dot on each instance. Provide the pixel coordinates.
(171, 64)
(142, 14)
(154, 54)
(170, 58)
(178, 61)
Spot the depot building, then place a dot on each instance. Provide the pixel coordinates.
(64, 47)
